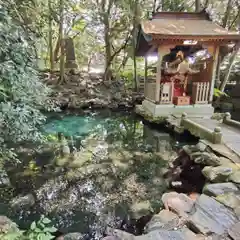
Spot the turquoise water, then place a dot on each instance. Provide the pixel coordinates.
(116, 161)
(74, 125)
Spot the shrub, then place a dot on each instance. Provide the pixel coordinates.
(22, 94)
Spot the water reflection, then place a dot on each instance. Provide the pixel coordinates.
(115, 163)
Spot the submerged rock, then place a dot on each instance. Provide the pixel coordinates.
(219, 188)
(119, 234)
(7, 225)
(23, 201)
(217, 174)
(140, 209)
(211, 216)
(4, 179)
(73, 236)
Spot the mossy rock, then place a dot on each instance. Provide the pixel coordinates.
(141, 209)
(231, 200)
(235, 177)
(224, 161)
(62, 161)
(80, 159)
(217, 174)
(220, 189)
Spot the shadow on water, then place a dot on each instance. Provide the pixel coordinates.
(114, 171)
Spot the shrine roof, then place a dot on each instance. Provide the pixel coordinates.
(182, 24)
(179, 26)
(185, 28)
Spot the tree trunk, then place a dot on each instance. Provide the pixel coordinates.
(50, 35)
(206, 3)
(227, 75)
(108, 51)
(234, 54)
(154, 6)
(197, 6)
(61, 42)
(134, 44)
(57, 47)
(227, 13)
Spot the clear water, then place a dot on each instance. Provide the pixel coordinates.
(116, 162)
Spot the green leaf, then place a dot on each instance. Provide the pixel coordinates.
(33, 225)
(37, 230)
(46, 220)
(50, 229)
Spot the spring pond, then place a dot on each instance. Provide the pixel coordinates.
(115, 169)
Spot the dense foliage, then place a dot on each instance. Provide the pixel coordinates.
(104, 34)
(40, 230)
(104, 31)
(22, 94)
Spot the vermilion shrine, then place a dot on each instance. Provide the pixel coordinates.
(187, 47)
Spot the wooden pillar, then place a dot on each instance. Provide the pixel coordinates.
(162, 50)
(214, 72)
(158, 75)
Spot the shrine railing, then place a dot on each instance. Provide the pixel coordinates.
(149, 91)
(166, 93)
(200, 92)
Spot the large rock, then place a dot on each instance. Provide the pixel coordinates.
(235, 177)
(211, 216)
(219, 188)
(234, 231)
(119, 234)
(217, 174)
(224, 161)
(237, 212)
(181, 234)
(164, 220)
(179, 203)
(231, 200)
(205, 158)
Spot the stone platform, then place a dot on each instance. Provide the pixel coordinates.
(164, 110)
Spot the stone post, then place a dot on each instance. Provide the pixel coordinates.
(217, 135)
(184, 117)
(226, 117)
